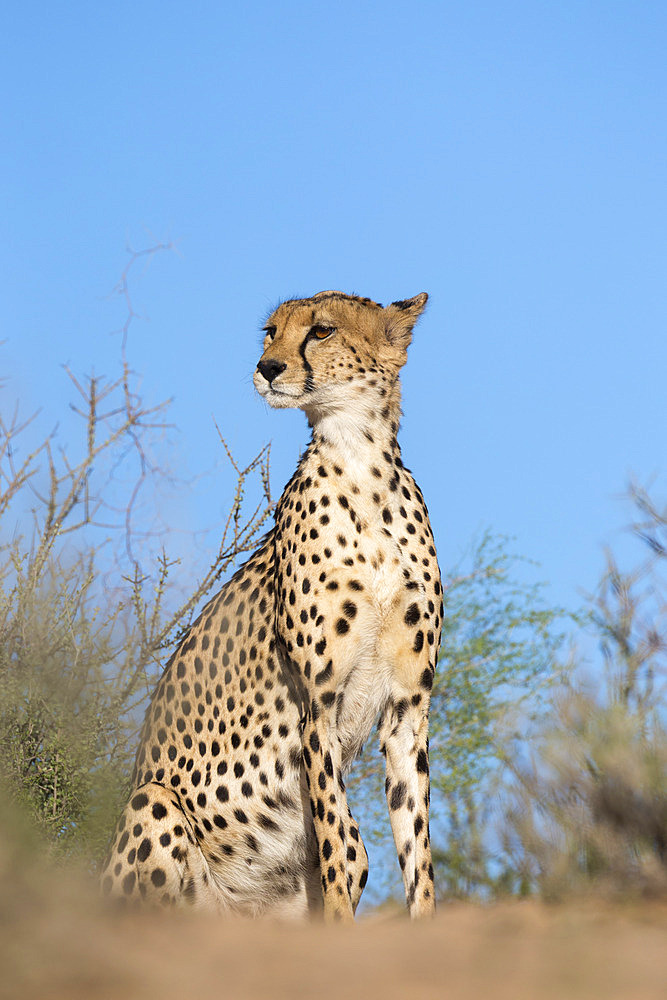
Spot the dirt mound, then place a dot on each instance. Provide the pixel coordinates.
(68, 947)
(59, 942)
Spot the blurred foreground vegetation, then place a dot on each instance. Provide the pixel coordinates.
(549, 775)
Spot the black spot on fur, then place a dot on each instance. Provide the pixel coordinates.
(158, 877)
(398, 795)
(412, 615)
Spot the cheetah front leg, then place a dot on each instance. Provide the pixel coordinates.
(331, 815)
(404, 742)
(357, 861)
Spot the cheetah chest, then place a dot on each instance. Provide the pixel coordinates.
(363, 672)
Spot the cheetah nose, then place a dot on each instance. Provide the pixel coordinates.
(271, 369)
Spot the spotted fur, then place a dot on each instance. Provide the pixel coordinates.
(239, 800)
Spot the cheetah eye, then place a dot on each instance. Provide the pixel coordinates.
(270, 331)
(321, 332)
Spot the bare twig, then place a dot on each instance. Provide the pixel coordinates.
(81, 634)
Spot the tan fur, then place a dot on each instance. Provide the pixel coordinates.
(239, 801)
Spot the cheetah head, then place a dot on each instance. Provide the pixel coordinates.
(334, 352)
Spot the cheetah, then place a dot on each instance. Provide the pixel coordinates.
(238, 801)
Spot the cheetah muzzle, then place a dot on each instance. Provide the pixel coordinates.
(334, 623)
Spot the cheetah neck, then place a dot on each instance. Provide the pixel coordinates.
(360, 427)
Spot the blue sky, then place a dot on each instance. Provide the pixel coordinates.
(508, 158)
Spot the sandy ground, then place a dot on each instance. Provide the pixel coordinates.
(68, 948)
(57, 942)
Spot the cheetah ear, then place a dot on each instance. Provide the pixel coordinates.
(401, 317)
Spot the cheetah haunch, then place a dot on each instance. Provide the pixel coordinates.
(239, 798)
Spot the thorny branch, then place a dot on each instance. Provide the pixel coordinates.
(109, 657)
